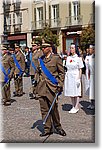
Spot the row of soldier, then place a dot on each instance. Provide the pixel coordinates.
(47, 76)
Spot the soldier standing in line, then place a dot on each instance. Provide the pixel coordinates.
(27, 61)
(7, 68)
(47, 90)
(19, 60)
(34, 55)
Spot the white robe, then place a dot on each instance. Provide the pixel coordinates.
(91, 66)
(72, 85)
(87, 76)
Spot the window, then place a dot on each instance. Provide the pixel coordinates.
(9, 19)
(39, 13)
(19, 18)
(55, 11)
(16, 1)
(39, 17)
(7, 1)
(75, 6)
(54, 15)
(75, 12)
(13, 18)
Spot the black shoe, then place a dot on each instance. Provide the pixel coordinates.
(31, 96)
(14, 95)
(92, 107)
(7, 103)
(46, 133)
(36, 98)
(19, 95)
(61, 132)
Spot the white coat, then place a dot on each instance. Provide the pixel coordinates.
(87, 75)
(72, 85)
(91, 66)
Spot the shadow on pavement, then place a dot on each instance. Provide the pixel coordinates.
(66, 107)
(84, 105)
(39, 125)
(13, 100)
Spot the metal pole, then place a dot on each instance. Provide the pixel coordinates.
(50, 109)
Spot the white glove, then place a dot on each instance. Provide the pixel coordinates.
(78, 82)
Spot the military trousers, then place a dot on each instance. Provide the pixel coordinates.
(18, 85)
(6, 94)
(33, 89)
(54, 118)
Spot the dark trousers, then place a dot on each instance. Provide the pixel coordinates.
(33, 89)
(54, 118)
(18, 85)
(6, 94)
(27, 68)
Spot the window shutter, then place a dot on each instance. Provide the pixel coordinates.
(20, 18)
(69, 8)
(13, 18)
(34, 14)
(35, 17)
(41, 13)
(58, 11)
(49, 15)
(79, 8)
(69, 12)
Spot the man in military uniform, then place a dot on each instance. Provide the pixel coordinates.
(47, 89)
(19, 60)
(34, 55)
(7, 68)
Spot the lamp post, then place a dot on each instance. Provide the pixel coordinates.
(5, 41)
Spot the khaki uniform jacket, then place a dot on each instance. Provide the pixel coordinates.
(21, 60)
(55, 66)
(8, 63)
(35, 55)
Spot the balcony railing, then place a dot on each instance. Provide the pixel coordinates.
(74, 20)
(17, 28)
(54, 23)
(38, 24)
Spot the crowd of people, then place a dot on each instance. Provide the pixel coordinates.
(50, 73)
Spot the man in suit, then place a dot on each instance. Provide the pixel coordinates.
(7, 68)
(19, 60)
(34, 55)
(27, 61)
(46, 89)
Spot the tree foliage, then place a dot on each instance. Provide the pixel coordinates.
(87, 37)
(47, 35)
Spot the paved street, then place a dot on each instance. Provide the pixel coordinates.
(22, 120)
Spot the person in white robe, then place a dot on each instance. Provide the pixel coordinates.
(72, 84)
(86, 73)
(91, 69)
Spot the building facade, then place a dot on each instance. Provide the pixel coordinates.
(25, 19)
(18, 14)
(65, 18)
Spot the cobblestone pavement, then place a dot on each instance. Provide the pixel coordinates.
(22, 120)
